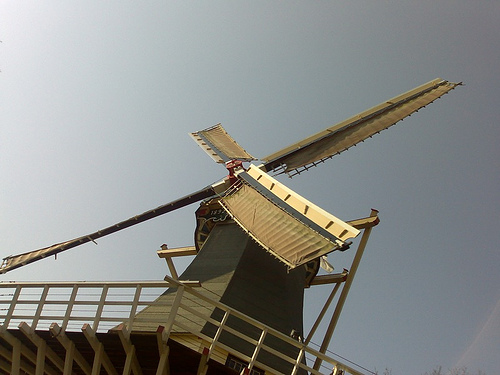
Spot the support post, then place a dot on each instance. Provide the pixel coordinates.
(129, 348)
(16, 358)
(322, 313)
(26, 352)
(345, 292)
(65, 341)
(68, 360)
(100, 354)
(202, 367)
(128, 361)
(42, 349)
(163, 350)
(40, 358)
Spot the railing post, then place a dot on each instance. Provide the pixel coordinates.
(39, 309)
(133, 309)
(173, 312)
(12, 307)
(218, 333)
(69, 309)
(298, 361)
(257, 348)
(100, 307)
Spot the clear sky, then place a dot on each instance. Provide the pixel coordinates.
(97, 98)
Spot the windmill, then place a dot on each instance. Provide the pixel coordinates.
(257, 245)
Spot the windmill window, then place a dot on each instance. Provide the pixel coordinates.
(239, 365)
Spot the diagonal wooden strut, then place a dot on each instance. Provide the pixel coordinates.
(345, 290)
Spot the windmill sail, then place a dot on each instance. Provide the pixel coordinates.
(219, 145)
(15, 261)
(292, 160)
(323, 145)
(282, 222)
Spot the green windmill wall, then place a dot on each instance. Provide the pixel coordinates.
(235, 270)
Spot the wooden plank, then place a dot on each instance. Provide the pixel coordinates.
(203, 366)
(68, 361)
(163, 363)
(99, 350)
(16, 358)
(39, 308)
(42, 349)
(335, 278)
(171, 267)
(64, 340)
(129, 348)
(100, 307)
(364, 223)
(96, 366)
(177, 252)
(127, 368)
(40, 358)
(133, 308)
(6, 366)
(164, 350)
(26, 352)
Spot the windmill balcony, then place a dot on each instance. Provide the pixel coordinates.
(89, 328)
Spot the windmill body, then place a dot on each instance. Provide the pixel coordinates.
(236, 271)
(238, 307)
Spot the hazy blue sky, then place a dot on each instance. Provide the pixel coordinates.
(97, 98)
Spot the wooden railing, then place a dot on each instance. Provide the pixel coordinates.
(105, 305)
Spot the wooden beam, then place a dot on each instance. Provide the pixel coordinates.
(66, 342)
(18, 347)
(257, 349)
(6, 366)
(96, 366)
(345, 290)
(322, 313)
(163, 351)
(132, 360)
(40, 358)
(133, 308)
(366, 222)
(127, 367)
(11, 357)
(171, 267)
(167, 254)
(335, 278)
(39, 308)
(163, 365)
(98, 347)
(68, 360)
(14, 361)
(191, 283)
(42, 349)
(203, 366)
(177, 252)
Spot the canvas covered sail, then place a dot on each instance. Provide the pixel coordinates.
(293, 235)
